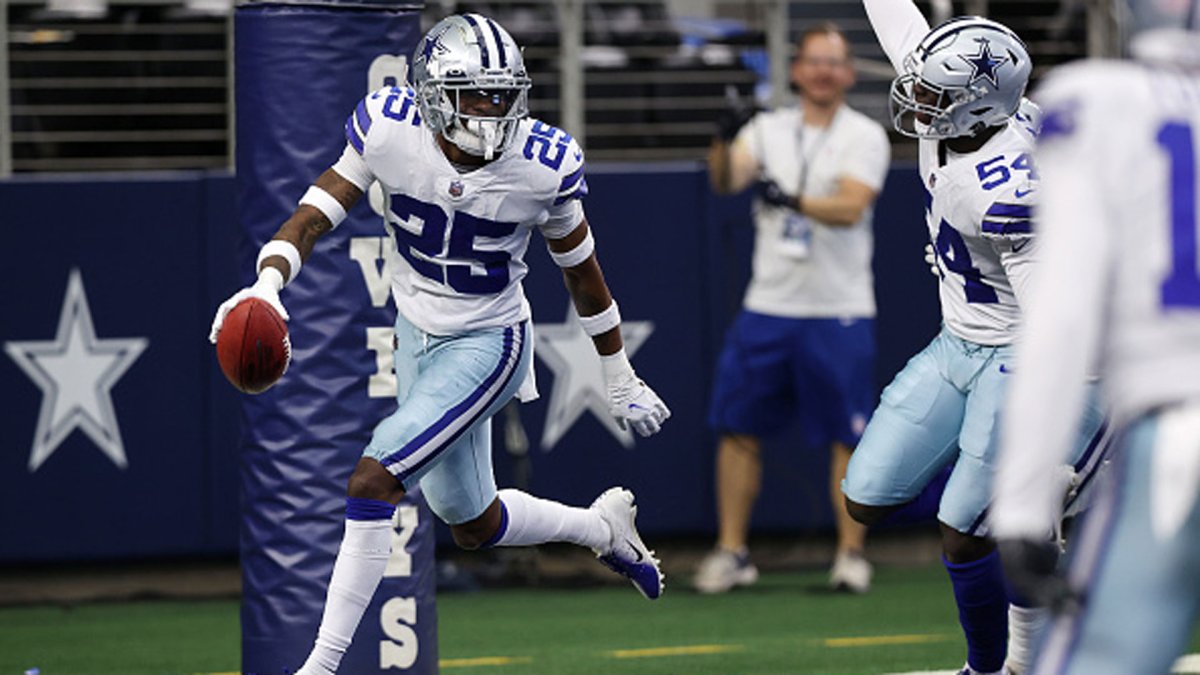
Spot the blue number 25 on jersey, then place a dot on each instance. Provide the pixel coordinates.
(464, 228)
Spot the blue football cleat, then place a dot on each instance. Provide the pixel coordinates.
(626, 554)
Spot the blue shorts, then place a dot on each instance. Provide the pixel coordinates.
(944, 408)
(775, 370)
(448, 389)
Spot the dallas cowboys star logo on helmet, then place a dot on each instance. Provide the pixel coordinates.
(984, 64)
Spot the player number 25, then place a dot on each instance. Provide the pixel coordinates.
(429, 241)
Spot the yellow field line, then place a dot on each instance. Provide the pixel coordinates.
(689, 650)
(483, 661)
(881, 640)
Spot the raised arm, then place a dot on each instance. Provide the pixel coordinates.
(898, 25)
(731, 167)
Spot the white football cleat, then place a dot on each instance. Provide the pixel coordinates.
(722, 570)
(626, 554)
(851, 572)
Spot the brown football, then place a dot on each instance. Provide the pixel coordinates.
(253, 346)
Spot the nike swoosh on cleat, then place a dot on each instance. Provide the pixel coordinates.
(1018, 249)
(638, 551)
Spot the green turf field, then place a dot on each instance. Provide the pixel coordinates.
(787, 623)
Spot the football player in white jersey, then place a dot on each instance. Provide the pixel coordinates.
(960, 90)
(1118, 285)
(467, 176)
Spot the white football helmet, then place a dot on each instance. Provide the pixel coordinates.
(471, 53)
(967, 74)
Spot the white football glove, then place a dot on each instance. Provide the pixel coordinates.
(931, 260)
(270, 281)
(630, 401)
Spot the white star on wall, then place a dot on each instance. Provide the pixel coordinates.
(76, 372)
(578, 381)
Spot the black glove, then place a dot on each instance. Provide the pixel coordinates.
(770, 192)
(732, 119)
(1031, 567)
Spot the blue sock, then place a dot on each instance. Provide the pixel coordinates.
(982, 610)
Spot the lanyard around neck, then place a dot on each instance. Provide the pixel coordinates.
(806, 158)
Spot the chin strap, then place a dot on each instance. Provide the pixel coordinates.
(476, 137)
(487, 133)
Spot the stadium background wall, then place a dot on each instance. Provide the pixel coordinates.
(157, 253)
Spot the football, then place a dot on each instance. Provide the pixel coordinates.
(253, 347)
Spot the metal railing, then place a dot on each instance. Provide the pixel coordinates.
(149, 85)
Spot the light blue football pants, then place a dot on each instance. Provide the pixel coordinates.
(448, 388)
(942, 408)
(1138, 556)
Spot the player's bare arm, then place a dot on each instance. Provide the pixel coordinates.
(631, 402)
(321, 209)
(308, 223)
(585, 282)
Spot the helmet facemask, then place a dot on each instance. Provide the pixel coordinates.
(924, 109)
(480, 135)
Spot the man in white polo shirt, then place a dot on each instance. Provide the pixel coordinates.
(803, 345)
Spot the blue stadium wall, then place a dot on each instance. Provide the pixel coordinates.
(119, 433)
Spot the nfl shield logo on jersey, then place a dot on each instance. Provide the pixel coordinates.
(456, 188)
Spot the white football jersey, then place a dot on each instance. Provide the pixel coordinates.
(803, 268)
(978, 204)
(979, 214)
(1118, 283)
(462, 236)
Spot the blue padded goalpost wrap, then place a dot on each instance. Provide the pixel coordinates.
(301, 68)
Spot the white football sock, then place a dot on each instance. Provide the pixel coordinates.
(537, 521)
(1024, 624)
(361, 562)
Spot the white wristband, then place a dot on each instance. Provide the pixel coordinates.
(324, 202)
(603, 322)
(617, 369)
(576, 255)
(272, 277)
(286, 250)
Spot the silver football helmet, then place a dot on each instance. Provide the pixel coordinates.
(967, 74)
(1163, 31)
(471, 55)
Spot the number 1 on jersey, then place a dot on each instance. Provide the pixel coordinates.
(1181, 288)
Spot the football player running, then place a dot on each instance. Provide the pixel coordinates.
(467, 177)
(1118, 285)
(960, 89)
